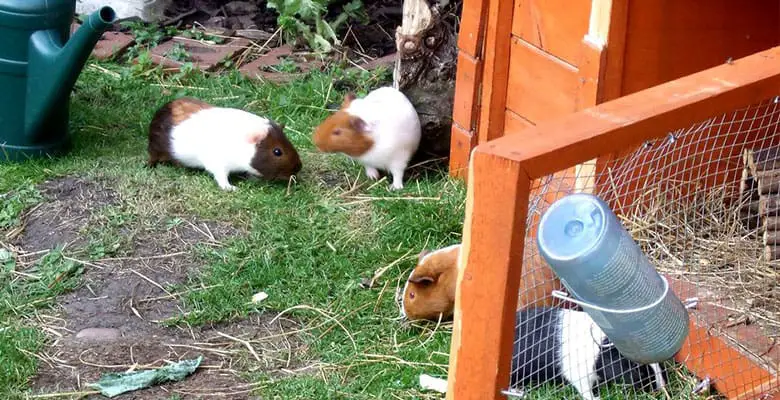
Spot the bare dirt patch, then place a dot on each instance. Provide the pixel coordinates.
(59, 220)
(123, 300)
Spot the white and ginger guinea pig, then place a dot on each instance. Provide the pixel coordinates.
(381, 131)
(195, 134)
(429, 292)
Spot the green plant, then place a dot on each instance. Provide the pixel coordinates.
(196, 34)
(297, 17)
(146, 36)
(178, 53)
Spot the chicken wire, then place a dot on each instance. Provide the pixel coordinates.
(692, 203)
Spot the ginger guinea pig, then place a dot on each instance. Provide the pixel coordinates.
(192, 133)
(430, 289)
(381, 131)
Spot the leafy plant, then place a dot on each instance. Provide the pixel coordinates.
(305, 19)
(201, 35)
(146, 36)
(178, 53)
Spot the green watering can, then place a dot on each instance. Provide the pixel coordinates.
(39, 64)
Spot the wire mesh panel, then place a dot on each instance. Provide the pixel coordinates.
(703, 204)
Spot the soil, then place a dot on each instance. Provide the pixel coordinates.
(123, 300)
(373, 39)
(60, 219)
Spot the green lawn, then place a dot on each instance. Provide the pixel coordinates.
(308, 243)
(305, 243)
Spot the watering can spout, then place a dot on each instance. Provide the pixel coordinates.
(54, 66)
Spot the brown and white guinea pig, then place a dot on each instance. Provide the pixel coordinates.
(381, 131)
(195, 134)
(563, 346)
(429, 292)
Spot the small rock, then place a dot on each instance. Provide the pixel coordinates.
(98, 333)
(240, 8)
(215, 22)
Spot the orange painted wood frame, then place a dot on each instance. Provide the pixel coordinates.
(499, 184)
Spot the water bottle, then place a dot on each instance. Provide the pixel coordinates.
(608, 275)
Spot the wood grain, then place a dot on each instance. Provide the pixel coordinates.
(495, 72)
(543, 87)
(489, 278)
(554, 26)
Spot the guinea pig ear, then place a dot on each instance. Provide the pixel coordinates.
(358, 124)
(422, 279)
(255, 137)
(347, 100)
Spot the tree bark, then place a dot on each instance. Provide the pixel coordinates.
(425, 66)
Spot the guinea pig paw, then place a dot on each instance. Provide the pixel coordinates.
(372, 173)
(228, 187)
(396, 186)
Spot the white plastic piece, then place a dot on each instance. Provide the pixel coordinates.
(428, 382)
(259, 296)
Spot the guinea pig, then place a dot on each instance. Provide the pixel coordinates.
(192, 133)
(563, 346)
(380, 131)
(429, 292)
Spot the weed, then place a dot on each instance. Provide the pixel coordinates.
(304, 19)
(178, 53)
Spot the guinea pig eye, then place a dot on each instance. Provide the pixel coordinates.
(278, 152)
(336, 132)
(411, 295)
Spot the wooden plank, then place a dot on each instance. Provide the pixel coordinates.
(461, 144)
(553, 26)
(496, 70)
(612, 84)
(628, 121)
(489, 278)
(769, 206)
(761, 160)
(706, 354)
(514, 123)
(771, 223)
(768, 182)
(467, 80)
(471, 36)
(543, 87)
(669, 39)
(771, 253)
(771, 238)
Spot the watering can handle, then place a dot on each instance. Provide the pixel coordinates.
(565, 296)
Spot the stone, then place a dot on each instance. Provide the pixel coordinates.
(240, 8)
(96, 334)
(202, 55)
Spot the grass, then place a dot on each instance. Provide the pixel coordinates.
(307, 243)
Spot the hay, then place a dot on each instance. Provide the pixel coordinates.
(700, 238)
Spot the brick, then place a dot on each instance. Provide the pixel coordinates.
(254, 69)
(203, 55)
(112, 44)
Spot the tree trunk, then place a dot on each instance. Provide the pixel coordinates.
(425, 69)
